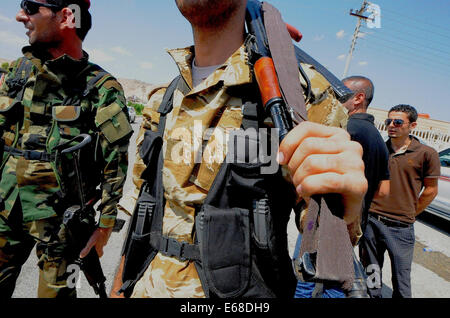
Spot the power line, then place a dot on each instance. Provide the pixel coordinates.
(435, 42)
(419, 28)
(422, 58)
(415, 19)
(418, 47)
(416, 61)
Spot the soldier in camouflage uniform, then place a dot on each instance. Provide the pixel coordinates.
(47, 98)
(216, 101)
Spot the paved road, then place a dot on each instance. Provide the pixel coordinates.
(430, 271)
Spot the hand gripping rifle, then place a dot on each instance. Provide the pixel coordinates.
(79, 222)
(326, 253)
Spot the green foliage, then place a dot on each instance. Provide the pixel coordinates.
(5, 66)
(137, 107)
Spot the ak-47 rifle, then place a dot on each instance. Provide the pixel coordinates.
(79, 222)
(326, 252)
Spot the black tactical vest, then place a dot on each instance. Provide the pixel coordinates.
(241, 247)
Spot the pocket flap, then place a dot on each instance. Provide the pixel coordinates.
(107, 113)
(66, 113)
(113, 122)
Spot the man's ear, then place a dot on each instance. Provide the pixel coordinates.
(413, 125)
(360, 98)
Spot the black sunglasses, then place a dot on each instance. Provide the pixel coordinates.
(397, 122)
(32, 7)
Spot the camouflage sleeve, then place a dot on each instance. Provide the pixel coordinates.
(149, 122)
(112, 107)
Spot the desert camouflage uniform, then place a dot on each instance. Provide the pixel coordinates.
(44, 119)
(187, 184)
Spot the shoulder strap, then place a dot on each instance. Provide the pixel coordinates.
(97, 80)
(17, 83)
(167, 104)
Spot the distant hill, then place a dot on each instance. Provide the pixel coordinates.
(135, 90)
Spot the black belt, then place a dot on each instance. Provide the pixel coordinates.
(389, 222)
(30, 154)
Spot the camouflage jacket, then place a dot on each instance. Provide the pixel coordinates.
(186, 182)
(47, 116)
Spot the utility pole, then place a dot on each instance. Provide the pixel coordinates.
(359, 15)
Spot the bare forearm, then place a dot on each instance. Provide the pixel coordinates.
(117, 283)
(425, 199)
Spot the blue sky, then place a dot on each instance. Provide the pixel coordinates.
(408, 58)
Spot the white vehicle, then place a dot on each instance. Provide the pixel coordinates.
(441, 204)
(132, 114)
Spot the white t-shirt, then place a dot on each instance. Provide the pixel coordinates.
(199, 74)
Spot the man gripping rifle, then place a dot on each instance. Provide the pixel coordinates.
(79, 222)
(49, 96)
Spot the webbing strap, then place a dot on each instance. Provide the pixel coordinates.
(17, 84)
(172, 248)
(30, 154)
(94, 81)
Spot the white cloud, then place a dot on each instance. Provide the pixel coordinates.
(361, 35)
(5, 19)
(146, 65)
(342, 57)
(363, 63)
(340, 34)
(122, 51)
(12, 39)
(319, 37)
(99, 56)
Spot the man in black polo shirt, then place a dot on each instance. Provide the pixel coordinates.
(413, 167)
(362, 129)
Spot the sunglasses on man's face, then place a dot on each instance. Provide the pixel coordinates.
(397, 122)
(32, 7)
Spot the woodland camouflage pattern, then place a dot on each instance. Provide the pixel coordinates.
(187, 183)
(54, 110)
(45, 120)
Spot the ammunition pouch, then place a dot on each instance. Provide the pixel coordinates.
(224, 238)
(113, 123)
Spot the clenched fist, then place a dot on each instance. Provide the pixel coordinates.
(323, 160)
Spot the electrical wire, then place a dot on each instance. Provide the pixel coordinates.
(414, 19)
(418, 48)
(422, 39)
(410, 60)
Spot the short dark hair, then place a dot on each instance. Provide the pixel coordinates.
(409, 110)
(369, 90)
(85, 15)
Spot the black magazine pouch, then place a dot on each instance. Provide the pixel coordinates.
(137, 249)
(224, 240)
